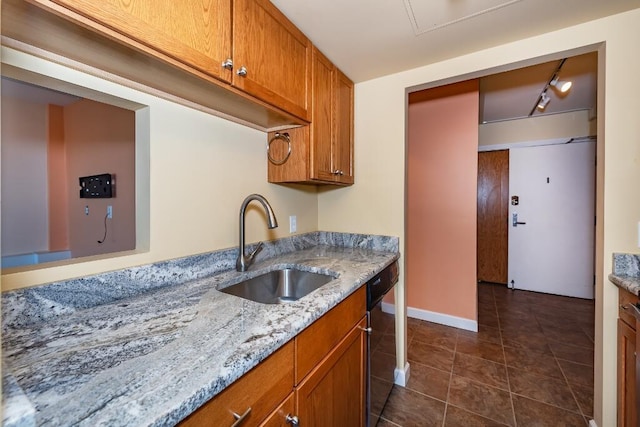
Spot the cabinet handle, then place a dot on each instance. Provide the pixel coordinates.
(240, 418)
(292, 419)
(228, 64)
(242, 72)
(367, 330)
(338, 172)
(632, 309)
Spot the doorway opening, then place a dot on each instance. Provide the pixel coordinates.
(525, 322)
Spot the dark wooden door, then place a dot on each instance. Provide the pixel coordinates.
(493, 212)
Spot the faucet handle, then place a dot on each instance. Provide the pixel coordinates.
(255, 252)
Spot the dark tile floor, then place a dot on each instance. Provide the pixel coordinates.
(530, 364)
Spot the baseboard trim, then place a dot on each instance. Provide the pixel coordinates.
(388, 308)
(443, 319)
(402, 375)
(431, 316)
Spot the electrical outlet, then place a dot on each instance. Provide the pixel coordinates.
(109, 211)
(293, 226)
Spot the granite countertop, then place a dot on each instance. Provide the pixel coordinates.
(626, 272)
(149, 345)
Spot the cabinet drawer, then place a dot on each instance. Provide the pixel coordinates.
(315, 342)
(261, 389)
(625, 298)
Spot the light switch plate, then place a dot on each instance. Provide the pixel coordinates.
(293, 224)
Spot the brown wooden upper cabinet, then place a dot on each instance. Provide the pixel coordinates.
(262, 53)
(271, 57)
(321, 153)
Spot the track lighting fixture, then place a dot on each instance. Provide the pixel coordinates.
(544, 100)
(562, 86)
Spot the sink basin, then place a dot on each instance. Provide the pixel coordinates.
(279, 286)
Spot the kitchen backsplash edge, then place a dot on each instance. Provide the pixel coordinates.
(33, 305)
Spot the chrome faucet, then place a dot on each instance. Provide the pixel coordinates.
(244, 261)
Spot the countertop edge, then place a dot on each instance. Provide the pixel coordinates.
(628, 283)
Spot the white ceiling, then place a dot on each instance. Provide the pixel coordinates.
(372, 38)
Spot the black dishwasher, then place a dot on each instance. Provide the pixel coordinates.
(381, 344)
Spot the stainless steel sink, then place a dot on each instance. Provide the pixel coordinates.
(278, 286)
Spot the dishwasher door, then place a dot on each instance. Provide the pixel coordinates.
(382, 360)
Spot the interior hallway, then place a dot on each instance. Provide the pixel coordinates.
(530, 364)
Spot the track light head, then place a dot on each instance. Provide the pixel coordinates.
(561, 85)
(544, 100)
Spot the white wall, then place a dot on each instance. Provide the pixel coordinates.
(201, 167)
(25, 224)
(375, 204)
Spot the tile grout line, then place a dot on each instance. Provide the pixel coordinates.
(504, 355)
(570, 387)
(446, 403)
(564, 375)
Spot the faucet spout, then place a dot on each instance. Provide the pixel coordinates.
(244, 261)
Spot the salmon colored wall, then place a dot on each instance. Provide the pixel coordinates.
(100, 138)
(56, 171)
(441, 200)
(24, 165)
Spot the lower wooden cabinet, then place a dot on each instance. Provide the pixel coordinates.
(317, 379)
(333, 394)
(627, 383)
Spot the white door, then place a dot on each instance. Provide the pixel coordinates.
(552, 251)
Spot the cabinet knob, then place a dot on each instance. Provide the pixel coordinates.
(242, 72)
(338, 172)
(228, 64)
(292, 419)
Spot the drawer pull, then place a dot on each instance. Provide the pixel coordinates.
(293, 420)
(240, 418)
(631, 309)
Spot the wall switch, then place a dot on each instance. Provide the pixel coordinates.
(109, 211)
(293, 224)
(86, 210)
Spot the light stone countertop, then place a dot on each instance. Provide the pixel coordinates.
(150, 358)
(626, 272)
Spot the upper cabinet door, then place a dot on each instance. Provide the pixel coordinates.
(197, 33)
(322, 117)
(271, 57)
(343, 139)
